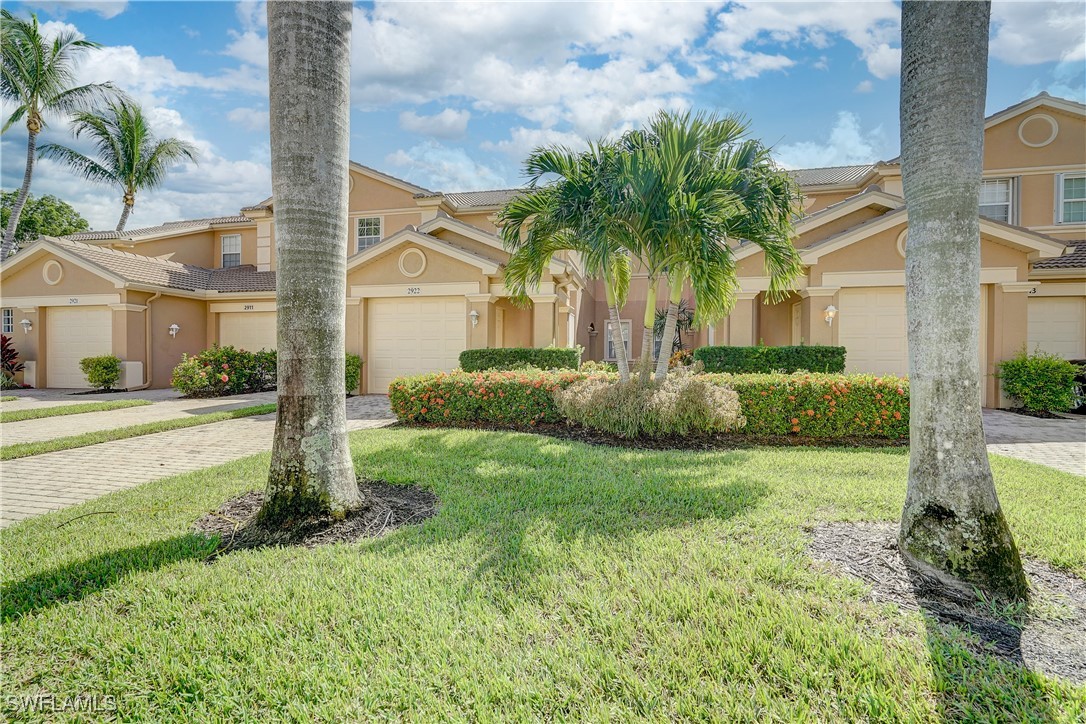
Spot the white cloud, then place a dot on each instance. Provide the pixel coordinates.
(864, 86)
(439, 167)
(106, 8)
(523, 141)
(447, 124)
(252, 119)
(751, 65)
(847, 144)
(1038, 32)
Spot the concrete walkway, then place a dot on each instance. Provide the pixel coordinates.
(1060, 444)
(42, 483)
(48, 428)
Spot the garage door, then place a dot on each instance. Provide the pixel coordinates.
(73, 333)
(250, 331)
(1058, 325)
(413, 336)
(872, 330)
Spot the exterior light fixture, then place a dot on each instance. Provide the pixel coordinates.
(831, 312)
(174, 329)
(474, 318)
(27, 325)
(591, 329)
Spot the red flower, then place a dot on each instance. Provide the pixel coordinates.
(224, 378)
(225, 366)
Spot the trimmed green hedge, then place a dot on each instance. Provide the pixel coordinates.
(509, 358)
(1041, 381)
(739, 360)
(102, 373)
(805, 404)
(222, 371)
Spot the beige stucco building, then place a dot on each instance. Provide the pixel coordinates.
(424, 274)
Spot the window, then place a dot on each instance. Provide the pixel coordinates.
(231, 250)
(9, 321)
(1071, 201)
(996, 196)
(609, 345)
(369, 232)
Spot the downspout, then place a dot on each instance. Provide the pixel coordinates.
(147, 342)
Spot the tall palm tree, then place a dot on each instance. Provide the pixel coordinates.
(129, 155)
(37, 76)
(952, 526)
(309, 53)
(705, 187)
(576, 211)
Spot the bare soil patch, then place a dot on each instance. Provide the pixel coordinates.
(387, 507)
(1049, 637)
(719, 441)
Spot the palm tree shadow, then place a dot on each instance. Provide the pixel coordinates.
(500, 505)
(76, 581)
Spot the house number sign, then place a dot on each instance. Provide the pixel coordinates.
(248, 308)
(73, 300)
(414, 291)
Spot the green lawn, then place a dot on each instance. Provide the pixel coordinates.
(558, 581)
(9, 398)
(25, 449)
(39, 412)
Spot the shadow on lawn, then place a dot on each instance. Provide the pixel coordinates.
(76, 581)
(503, 489)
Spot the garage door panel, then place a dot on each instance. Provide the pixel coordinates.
(251, 331)
(1058, 325)
(414, 336)
(73, 333)
(872, 330)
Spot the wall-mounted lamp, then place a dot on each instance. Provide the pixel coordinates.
(591, 329)
(174, 329)
(474, 318)
(831, 312)
(27, 326)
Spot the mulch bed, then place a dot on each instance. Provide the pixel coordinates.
(1053, 643)
(1043, 414)
(388, 507)
(98, 392)
(721, 441)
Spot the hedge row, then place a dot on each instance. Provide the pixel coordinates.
(222, 371)
(771, 359)
(805, 404)
(508, 358)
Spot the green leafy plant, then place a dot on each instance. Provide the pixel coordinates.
(685, 403)
(353, 372)
(684, 324)
(1040, 381)
(9, 364)
(221, 371)
(771, 359)
(103, 372)
(508, 358)
(593, 367)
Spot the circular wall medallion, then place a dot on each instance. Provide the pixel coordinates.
(52, 272)
(412, 262)
(901, 242)
(1038, 130)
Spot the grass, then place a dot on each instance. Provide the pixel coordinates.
(39, 412)
(558, 581)
(9, 398)
(26, 449)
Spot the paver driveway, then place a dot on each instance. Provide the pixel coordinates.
(41, 483)
(1059, 443)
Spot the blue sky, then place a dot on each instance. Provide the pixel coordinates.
(452, 95)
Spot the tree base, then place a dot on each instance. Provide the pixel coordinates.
(964, 552)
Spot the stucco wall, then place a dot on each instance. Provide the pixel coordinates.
(439, 268)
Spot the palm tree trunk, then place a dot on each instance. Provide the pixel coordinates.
(20, 200)
(125, 211)
(309, 46)
(952, 526)
(644, 364)
(616, 334)
(667, 341)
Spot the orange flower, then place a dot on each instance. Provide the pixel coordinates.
(810, 413)
(897, 415)
(795, 420)
(795, 428)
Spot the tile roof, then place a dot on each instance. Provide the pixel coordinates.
(147, 270)
(829, 175)
(160, 229)
(474, 199)
(1073, 258)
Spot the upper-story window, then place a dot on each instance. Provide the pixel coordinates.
(231, 250)
(1071, 201)
(609, 348)
(997, 199)
(8, 325)
(368, 232)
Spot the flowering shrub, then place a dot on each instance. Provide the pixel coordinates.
(822, 405)
(512, 397)
(591, 367)
(223, 371)
(680, 358)
(685, 403)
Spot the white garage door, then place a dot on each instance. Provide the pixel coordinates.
(251, 331)
(872, 330)
(1058, 325)
(73, 333)
(413, 336)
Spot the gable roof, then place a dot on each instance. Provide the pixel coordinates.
(462, 200)
(832, 175)
(484, 262)
(1041, 99)
(1073, 258)
(170, 227)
